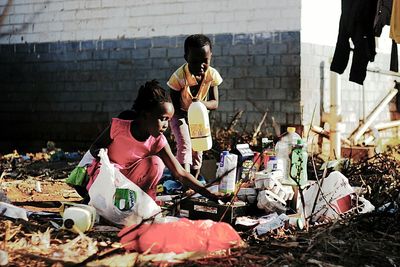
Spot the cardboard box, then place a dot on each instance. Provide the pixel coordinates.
(202, 209)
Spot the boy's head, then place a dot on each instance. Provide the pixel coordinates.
(198, 52)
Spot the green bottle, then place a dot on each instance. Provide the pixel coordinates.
(298, 166)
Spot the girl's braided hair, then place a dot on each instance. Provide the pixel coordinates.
(150, 96)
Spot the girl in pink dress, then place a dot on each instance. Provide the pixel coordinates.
(136, 144)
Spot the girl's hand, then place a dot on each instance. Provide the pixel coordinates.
(224, 197)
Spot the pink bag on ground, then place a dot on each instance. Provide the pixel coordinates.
(180, 236)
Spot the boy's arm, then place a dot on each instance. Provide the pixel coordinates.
(185, 177)
(102, 141)
(212, 103)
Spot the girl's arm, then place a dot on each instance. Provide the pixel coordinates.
(212, 102)
(102, 141)
(183, 176)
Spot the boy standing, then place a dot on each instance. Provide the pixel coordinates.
(194, 79)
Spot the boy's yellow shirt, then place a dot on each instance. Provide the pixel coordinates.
(182, 79)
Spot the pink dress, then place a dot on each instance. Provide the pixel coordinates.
(136, 160)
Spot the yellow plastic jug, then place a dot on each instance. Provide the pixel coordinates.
(79, 218)
(199, 126)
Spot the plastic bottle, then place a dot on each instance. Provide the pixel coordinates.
(298, 168)
(283, 150)
(274, 164)
(199, 126)
(79, 218)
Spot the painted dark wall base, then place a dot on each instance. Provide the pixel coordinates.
(68, 91)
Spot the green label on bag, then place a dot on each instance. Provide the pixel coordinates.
(78, 176)
(124, 199)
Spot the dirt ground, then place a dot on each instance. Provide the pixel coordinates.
(371, 239)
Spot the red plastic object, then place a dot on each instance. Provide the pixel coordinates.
(181, 236)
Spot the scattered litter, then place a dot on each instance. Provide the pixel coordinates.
(11, 211)
(364, 206)
(38, 187)
(271, 222)
(246, 221)
(270, 202)
(375, 180)
(332, 199)
(3, 257)
(391, 208)
(79, 218)
(126, 260)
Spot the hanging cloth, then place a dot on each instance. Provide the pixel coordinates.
(382, 16)
(395, 22)
(357, 23)
(395, 35)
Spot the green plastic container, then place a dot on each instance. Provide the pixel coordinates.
(298, 166)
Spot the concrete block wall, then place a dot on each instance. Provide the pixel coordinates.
(68, 91)
(77, 20)
(67, 67)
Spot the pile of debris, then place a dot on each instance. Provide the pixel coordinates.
(35, 182)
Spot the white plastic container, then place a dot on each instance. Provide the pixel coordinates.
(274, 164)
(199, 126)
(227, 166)
(79, 218)
(247, 195)
(270, 202)
(283, 150)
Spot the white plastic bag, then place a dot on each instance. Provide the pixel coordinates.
(87, 159)
(11, 211)
(336, 190)
(102, 193)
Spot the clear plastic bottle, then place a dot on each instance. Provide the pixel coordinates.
(298, 168)
(283, 150)
(199, 126)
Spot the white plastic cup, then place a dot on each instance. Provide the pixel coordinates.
(269, 183)
(259, 179)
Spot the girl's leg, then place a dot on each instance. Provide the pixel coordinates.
(146, 173)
